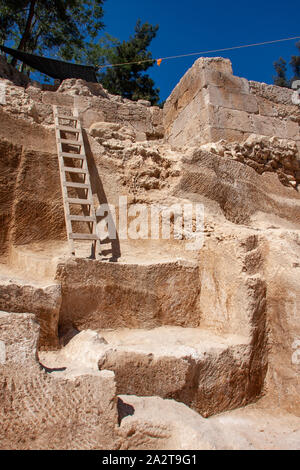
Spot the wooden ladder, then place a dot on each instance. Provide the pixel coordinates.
(73, 150)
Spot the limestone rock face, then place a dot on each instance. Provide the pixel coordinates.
(128, 295)
(236, 190)
(78, 87)
(28, 209)
(43, 301)
(283, 297)
(19, 335)
(171, 362)
(178, 333)
(36, 408)
(165, 424)
(263, 154)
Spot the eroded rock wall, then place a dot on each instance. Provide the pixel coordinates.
(282, 266)
(44, 302)
(235, 289)
(93, 102)
(30, 187)
(230, 188)
(31, 203)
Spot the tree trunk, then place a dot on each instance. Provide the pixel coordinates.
(26, 34)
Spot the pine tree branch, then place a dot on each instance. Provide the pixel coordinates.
(26, 33)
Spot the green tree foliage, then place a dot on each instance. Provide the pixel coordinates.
(281, 70)
(295, 64)
(129, 81)
(69, 29)
(59, 27)
(8, 10)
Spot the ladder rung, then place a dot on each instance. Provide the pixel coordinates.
(71, 118)
(83, 236)
(70, 184)
(82, 202)
(82, 218)
(81, 156)
(68, 129)
(71, 169)
(70, 142)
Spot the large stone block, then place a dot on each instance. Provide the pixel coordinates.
(207, 373)
(39, 410)
(224, 80)
(58, 99)
(191, 113)
(19, 334)
(44, 302)
(233, 119)
(188, 127)
(202, 100)
(275, 94)
(209, 96)
(128, 295)
(214, 134)
(266, 107)
(292, 130)
(274, 126)
(263, 126)
(192, 83)
(221, 96)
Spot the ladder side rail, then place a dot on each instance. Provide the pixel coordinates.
(62, 181)
(93, 226)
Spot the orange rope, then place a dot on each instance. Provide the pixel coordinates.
(158, 61)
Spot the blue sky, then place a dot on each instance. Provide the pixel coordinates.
(192, 26)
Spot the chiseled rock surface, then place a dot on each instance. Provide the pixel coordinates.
(263, 154)
(43, 301)
(282, 270)
(37, 406)
(97, 294)
(230, 144)
(37, 409)
(209, 373)
(233, 189)
(154, 423)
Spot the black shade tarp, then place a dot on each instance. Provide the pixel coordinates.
(54, 68)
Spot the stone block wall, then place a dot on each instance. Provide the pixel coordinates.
(210, 104)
